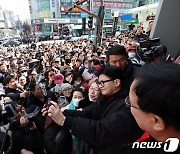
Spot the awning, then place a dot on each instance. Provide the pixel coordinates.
(143, 8)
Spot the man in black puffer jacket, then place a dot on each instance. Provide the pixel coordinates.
(117, 56)
(104, 125)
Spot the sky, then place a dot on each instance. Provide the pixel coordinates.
(19, 7)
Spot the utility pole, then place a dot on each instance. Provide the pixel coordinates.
(97, 41)
(99, 17)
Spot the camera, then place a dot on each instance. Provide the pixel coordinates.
(156, 51)
(148, 44)
(30, 116)
(151, 49)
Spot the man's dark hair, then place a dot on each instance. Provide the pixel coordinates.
(57, 139)
(112, 72)
(76, 75)
(8, 78)
(150, 21)
(80, 90)
(158, 91)
(117, 50)
(140, 27)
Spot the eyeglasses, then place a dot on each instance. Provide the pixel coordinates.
(128, 103)
(101, 83)
(94, 89)
(23, 71)
(66, 90)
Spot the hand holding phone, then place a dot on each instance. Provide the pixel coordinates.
(48, 104)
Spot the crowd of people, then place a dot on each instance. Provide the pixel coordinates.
(73, 98)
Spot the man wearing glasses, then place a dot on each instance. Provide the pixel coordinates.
(154, 101)
(117, 56)
(112, 126)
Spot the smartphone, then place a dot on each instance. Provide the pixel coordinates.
(48, 104)
(62, 99)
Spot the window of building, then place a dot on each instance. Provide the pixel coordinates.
(43, 5)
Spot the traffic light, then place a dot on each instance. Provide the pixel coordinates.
(90, 22)
(116, 19)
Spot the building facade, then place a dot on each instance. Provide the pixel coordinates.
(139, 3)
(113, 8)
(2, 24)
(145, 11)
(7, 24)
(47, 16)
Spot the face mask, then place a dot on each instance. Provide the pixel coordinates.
(88, 55)
(76, 102)
(25, 74)
(131, 54)
(77, 82)
(68, 78)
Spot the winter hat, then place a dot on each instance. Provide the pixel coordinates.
(65, 85)
(23, 69)
(58, 78)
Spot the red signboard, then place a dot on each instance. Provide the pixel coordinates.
(111, 4)
(37, 27)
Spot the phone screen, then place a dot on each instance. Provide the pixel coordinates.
(62, 99)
